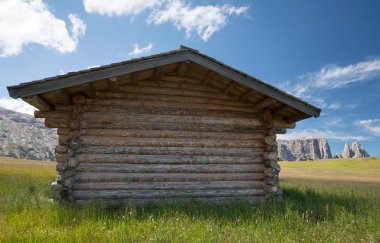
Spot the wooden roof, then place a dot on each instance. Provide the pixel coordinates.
(242, 85)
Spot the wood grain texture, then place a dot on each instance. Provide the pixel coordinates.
(163, 177)
(168, 159)
(169, 185)
(170, 142)
(253, 153)
(141, 194)
(170, 168)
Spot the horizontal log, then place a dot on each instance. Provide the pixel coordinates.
(141, 194)
(38, 102)
(161, 177)
(62, 158)
(169, 134)
(169, 111)
(169, 185)
(213, 200)
(172, 91)
(167, 104)
(171, 168)
(170, 142)
(178, 151)
(166, 126)
(56, 123)
(63, 131)
(125, 117)
(171, 98)
(61, 149)
(167, 159)
(52, 114)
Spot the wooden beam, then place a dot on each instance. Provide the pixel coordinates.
(245, 95)
(134, 78)
(208, 77)
(182, 69)
(157, 74)
(264, 103)
(229, 87)
(62, 97)
(89, 90)
(38, 102)
(296, 118)
(279, 110)
(113, 84)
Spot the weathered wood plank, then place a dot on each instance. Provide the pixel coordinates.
(161, 177)
(169, 185)
(38, 102)
(170, 142)
(167, 104)
(264, 103)
(193, 111)
(109, 116)
(177, 151)
(171, 98)
(52, 114)
(140, 194)
(168, 159)
(56, 122)
(174, 92)
(169, 134)
(197, 127)
(171, 168)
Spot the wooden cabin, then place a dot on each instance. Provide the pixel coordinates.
(177, 125)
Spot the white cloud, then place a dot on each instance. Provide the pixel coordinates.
(25, 22)
(16, 105)
(119, 7)
(138, 51)
(334, 76)
(371, 125)
(315, 133)
(204, 20)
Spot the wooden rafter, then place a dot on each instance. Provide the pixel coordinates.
(264, 103)
(279, 110)
(245, 95)
(208, 77)
(61, 96)
(182, 69)
(157, 74)
(89, 90)
(134, 78)
(38, 102)
(229, 87)
(113, 84)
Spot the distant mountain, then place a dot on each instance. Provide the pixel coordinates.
(356, 151)
(304, 149)
(22, 136)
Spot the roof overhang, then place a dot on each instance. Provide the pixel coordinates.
(183, 54)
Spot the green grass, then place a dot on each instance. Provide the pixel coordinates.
(312, 211)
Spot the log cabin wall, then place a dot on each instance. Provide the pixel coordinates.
(146, 142)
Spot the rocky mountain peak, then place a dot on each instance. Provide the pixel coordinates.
(347, 152)
(358, 150)
(304, 149)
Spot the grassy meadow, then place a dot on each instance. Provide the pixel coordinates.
(325, 201)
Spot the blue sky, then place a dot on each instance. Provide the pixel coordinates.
(325, 52)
